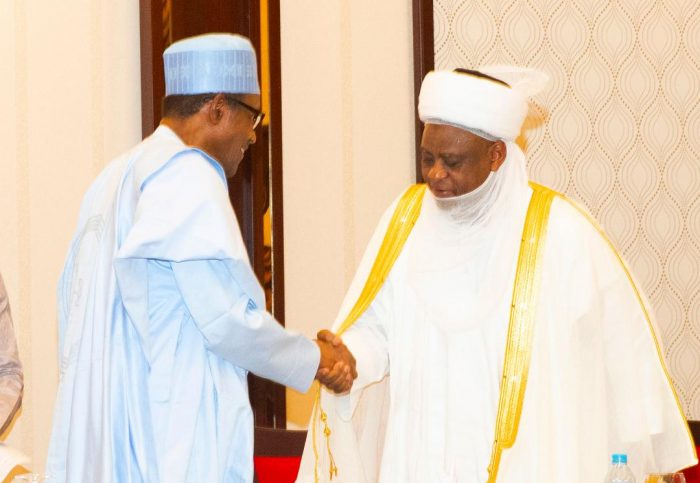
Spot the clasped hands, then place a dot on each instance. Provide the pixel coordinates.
(336, 369)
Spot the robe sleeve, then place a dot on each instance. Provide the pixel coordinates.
(11, 379)
(357, 420)
(236, 329)
(367, 337)
(368, 343)
(645, 414)
(183, 216)
(605, 352)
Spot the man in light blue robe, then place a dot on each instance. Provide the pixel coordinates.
(161, 316)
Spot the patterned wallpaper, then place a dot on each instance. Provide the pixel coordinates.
(618, 129)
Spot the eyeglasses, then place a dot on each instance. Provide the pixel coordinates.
(258, 115)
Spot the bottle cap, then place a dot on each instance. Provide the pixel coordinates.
(619, 458)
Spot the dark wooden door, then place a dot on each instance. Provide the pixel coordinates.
(259, 177)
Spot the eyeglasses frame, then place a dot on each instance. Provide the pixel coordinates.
(258, 115)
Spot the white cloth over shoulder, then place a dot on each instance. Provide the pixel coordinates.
(161, 318)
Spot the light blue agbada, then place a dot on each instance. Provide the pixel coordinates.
(161, 318)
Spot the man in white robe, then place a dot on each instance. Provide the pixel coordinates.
(467, 375)
(161, 316)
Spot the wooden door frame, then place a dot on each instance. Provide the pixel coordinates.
(152, 76)
(423, 62)
(156, 29)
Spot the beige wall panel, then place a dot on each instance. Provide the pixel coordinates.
(70, 76)
(347, 102)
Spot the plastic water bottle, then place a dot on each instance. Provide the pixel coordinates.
(619, 472)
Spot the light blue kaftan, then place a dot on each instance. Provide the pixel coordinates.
(161, 318)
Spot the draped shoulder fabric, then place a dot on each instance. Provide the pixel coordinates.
(159, 313)
(430, 349)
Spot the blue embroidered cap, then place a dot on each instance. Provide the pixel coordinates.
(211, 63)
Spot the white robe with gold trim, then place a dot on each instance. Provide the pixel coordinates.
(596, 385)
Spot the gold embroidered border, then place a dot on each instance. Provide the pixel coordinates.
(516, 363)
(402, 222)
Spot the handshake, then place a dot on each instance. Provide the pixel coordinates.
(336, 369)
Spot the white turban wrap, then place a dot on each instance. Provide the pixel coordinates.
(478, 104)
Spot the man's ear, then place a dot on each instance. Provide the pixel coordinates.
(497, 154)
(216, 109)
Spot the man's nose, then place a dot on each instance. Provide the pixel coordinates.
(437, 171)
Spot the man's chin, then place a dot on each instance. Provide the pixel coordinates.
(231, 168)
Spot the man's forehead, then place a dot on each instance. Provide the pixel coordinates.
(434, 132)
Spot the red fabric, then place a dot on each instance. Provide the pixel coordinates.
(692, 475)
(284, 469)
(276, 469)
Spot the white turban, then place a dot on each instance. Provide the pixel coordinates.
(478, 104)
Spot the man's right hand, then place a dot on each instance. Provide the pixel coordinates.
(336, 369)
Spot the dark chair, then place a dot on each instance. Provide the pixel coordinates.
(277, 454)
